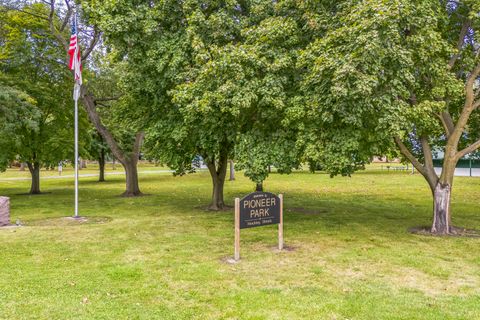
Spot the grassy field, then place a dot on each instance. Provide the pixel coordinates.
(15, 173)
(163, 256)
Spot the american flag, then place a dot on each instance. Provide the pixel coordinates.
(75, 63)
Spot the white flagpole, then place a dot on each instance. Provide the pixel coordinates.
(76, 95)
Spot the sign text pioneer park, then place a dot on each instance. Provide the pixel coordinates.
(258, 209)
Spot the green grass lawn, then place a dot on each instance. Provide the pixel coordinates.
(162, 256)
(68, 170)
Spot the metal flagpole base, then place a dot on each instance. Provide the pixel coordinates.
(78, 218)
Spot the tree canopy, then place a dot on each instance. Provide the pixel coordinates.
(398, 69)
(32, 63)
(17, 115)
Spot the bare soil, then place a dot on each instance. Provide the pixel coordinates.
(455, 232)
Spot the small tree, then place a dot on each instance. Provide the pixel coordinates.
(257, 151)
(98, 150)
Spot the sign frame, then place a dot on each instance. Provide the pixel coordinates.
(259, 209)
(238, 224)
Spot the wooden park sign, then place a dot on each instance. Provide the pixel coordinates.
(255, 210)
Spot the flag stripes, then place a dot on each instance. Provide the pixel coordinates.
(75, 62)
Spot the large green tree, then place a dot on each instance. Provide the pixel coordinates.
(123, 140)
(30, 62)
(208, 74)
(397, 71)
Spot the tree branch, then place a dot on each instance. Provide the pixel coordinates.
(447, 122)
(54, 31)
(212, 168)
(25, 11)
(472, 77)
(68, 15)
(476, 104)
(93, 43)
(89, 103)
(432, 179)
(461, 39)
(468, 106)
(101, 104)
(474, 146)
(429, 169)
(138, 143)
(107, 98)
(404, 150)
(427, 153)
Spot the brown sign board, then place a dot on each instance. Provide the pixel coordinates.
(259, 209)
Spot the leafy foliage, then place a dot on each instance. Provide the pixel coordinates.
(207, 75)
(17, 115)
(33, 63)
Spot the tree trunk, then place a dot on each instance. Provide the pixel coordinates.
(259, 187)
(232, 171)
(101, 164)
(442, 217)
(218, 173)
(132, 188)
(441, 187)
(35, 172)
(128, 160)
(441, 209)
(217, 195)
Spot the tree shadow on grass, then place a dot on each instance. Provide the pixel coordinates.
(306, 210)
(33, 194)
(66, 221)
(455, 232)
(377, 214)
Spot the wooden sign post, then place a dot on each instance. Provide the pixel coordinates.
(237, 229)
(280, 224)
(258, 209)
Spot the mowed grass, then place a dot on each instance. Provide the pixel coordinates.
(349, 254)
(68, 170)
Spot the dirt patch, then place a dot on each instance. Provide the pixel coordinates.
(141, 195)
(308, 211)
(206, 208)
(33, 194)
(458, 284)
(229, 260)
(9, 226)
(66, 221)
(455, 232)
(285, 248)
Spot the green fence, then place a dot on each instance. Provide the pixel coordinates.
(462, 163)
